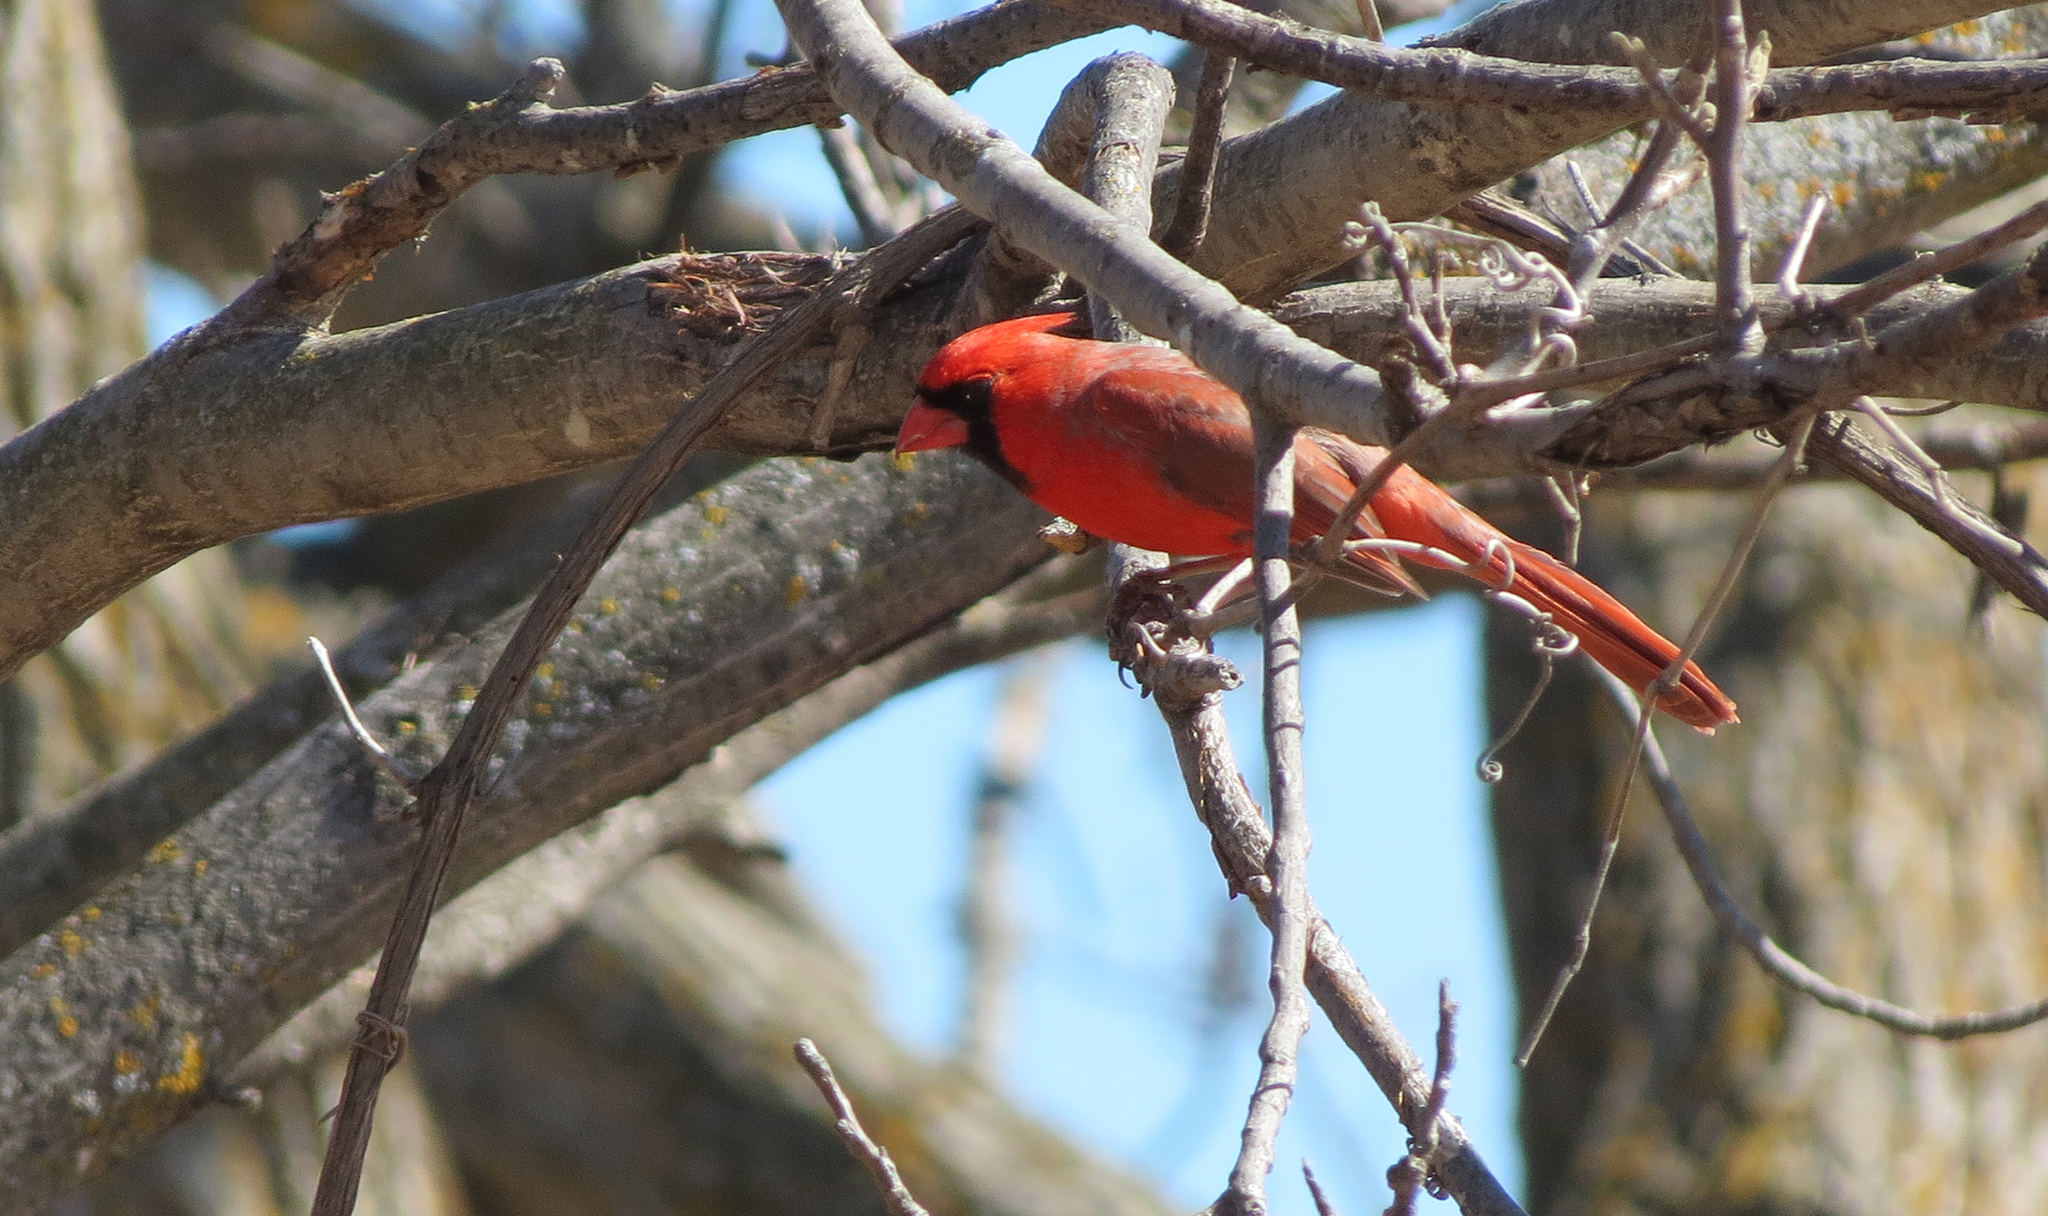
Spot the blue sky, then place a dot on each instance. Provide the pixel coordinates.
(1118, 899)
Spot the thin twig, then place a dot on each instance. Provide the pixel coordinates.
(392, 766)
(1664, 95)
(1649, 188)
(1907, 447)
(1412, 1174)
(445, 794)
(1192, 710)
(1795, 257)
(2007, 560)
(1369, 19)
(1927, 266)
(1733, 92)
(1287, 865)
(1414, 322)
(1779, 964)
(1731, 570)
(871, 209)
(873, 1157)
(1641, 363)
(1190, 224)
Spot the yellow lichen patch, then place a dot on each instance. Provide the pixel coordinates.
(715, 514)
(1842, 194)
(795, 592)
(543, 709)
(126, 1061)
(165, 850)
(468, 692)
(74, 943)
(903, 460)
(199, 866)
(1992, 135)
(607, 605)
(90, 914)
(190, 1072)
(1767, 190)
(1929, 181)
(917, 514)
(1968, 29)
(650, 681)
(544, 671)
(66, 1024)
(42, 971)
(144, 1012)
(406, 726)
(669, 595)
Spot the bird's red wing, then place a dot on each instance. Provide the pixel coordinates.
(1327, 470)
(1188, 441)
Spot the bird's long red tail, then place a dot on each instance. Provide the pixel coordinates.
(1414, 509)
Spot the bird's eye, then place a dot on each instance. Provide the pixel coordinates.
(967, 398)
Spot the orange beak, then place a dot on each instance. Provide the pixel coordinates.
(927, 427)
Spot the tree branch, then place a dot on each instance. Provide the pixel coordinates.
(1445, 77)
(798, 574)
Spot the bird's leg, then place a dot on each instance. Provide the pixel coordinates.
(1148, 636)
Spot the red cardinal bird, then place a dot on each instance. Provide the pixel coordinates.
(1136, 444)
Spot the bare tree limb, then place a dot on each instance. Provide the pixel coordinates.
(1187, 685)
(445, 794)
(181, 410)
(261, 904)
(1197, 193)
(1287, 864)
(518, 134)
(1296, 183)
(872, 1157)
(1577, 31)
(1776, 962)
(2007, 560)
(1445, 77)
(1158, 295)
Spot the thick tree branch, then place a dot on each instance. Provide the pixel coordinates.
(1577, 31)
(493, 926)
(159, 463)
(518, 133)
(152, 428)
(1286, 191)
(795, 574)
(1446, 77)
(458, 776)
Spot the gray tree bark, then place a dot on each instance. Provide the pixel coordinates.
(1879, 810)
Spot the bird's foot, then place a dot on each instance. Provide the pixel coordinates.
(1159, 638)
